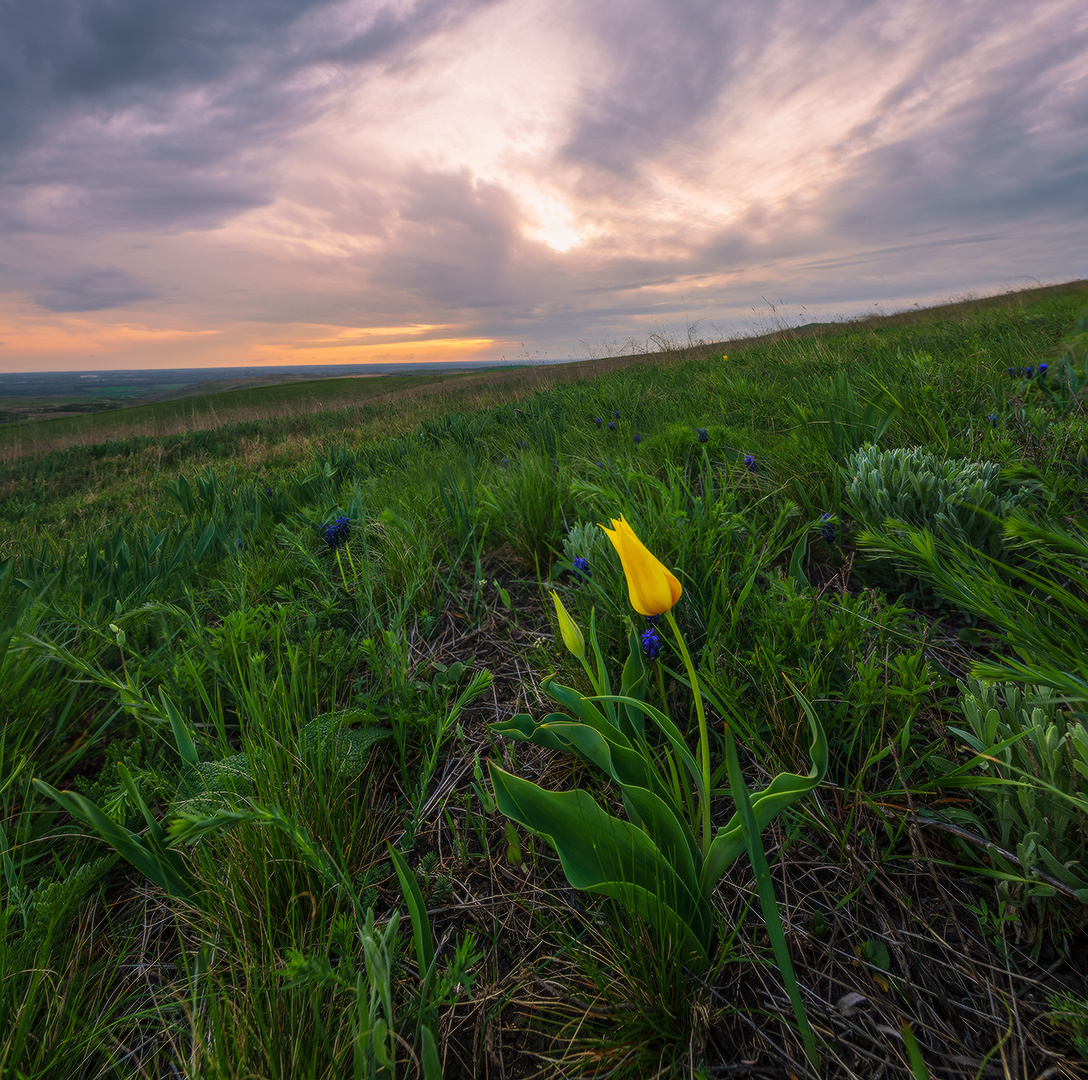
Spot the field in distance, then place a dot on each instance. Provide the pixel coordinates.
(53, 410)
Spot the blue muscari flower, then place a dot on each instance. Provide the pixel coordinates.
(827, 528)
(240, 543)
(617, 414)
(337, 533)
(1028, 371)
(750, 462)
(581, 568)
(600, 464)
(638, 438)
(1043, 368)
(992, 419)
(703, 436)
(1012, 371)
(611, 425)
(652, 620)
(651, 644)
(268, 492)
(597, 421)
(505, 462)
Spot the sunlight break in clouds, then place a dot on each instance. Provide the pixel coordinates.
(230, 181)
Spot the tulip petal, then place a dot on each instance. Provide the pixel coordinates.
(653, 588)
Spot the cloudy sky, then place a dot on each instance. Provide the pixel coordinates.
(248, 182)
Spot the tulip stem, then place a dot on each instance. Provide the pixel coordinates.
(592, 678)
(704, 742)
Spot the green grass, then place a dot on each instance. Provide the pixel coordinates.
(201, 411)
(258, 715)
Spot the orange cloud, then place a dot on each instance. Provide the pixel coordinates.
(34, 340)
(29, 337)
(384, 352)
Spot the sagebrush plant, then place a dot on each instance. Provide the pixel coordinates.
(583, 548)
(962, 499)
(1030, 768)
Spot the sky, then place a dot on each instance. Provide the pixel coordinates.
(253, 182)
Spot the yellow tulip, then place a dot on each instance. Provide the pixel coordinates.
(653, 588)
(572, 635)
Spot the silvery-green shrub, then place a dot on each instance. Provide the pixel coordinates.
(959, 499)
(1032, 773)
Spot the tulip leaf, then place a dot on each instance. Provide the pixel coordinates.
(525, 729)
(603, 854)
(609, 750)
(632, 772)
(783, 791)
(584, 708)
(671, 836)
(633, 685)
(602, 668)
(676, 740)
(610, 753)
(588, 713)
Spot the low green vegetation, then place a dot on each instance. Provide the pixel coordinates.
(178, 415)
(305, 772)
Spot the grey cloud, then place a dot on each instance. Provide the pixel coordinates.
(389, 31)
(71, 56)
(456, 243)
(976, 171)
(165, 114)
(666, 66)
(1007, 162)
(103, 49)
(669, 63)
(1017, 146)
(91, 289)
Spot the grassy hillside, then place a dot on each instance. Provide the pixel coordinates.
(281, 738)
(200, 411)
